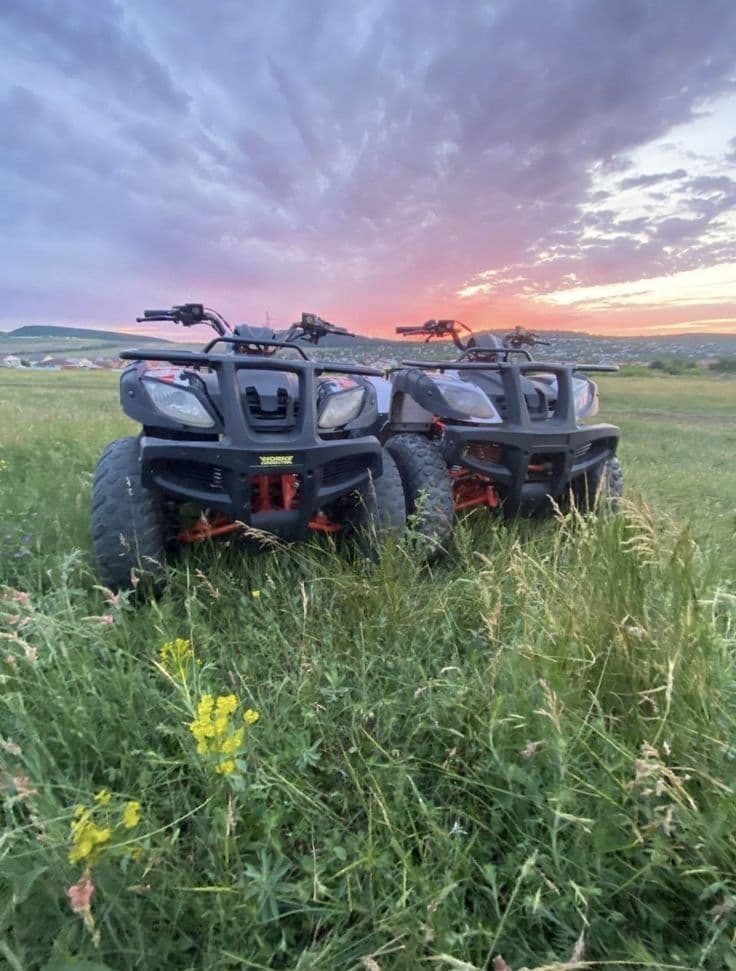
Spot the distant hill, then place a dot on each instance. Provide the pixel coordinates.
(48, 330)
(35, 341)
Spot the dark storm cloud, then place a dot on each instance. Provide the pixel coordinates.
(364, 155)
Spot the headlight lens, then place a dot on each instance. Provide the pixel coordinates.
(340, 408)
(468, 399)
(586, 398)
(178, 403)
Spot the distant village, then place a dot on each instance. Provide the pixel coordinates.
(701, 350)
(47, 362)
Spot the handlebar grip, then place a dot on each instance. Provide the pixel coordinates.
(156, 313)
(411, 330)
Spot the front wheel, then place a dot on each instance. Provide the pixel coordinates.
(128, 521)
(601, 487)
(427, 485)
(380, 511)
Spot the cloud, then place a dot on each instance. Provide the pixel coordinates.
(99, 46)
(714, 285)
(369, 160)
(712, 325)
(644, 181)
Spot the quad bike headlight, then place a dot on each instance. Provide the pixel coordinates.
(468, 399)
(178, 403)
(585, 393)
(341, 407)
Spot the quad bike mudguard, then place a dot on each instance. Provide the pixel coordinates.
(288, 476)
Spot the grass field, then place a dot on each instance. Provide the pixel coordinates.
(526, 753)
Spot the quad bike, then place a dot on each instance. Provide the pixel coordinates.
(249, 435)
(496, 428)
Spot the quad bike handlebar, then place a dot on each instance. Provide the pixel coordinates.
(431, 329)
(188, 315)
(520, 336)
(310, 328)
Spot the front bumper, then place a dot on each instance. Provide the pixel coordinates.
(274, 478)
(529, 465)
(226, 478)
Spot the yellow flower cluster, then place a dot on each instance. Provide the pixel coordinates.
(131, 814)
(92, 829)
(87, 837)
(176, 654)
(215, 732)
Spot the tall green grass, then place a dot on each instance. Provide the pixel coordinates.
(525, 751)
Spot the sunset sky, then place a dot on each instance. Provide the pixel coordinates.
(554, 163)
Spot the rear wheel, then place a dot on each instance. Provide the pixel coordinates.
(601, 487)
(129, 523)
(427, 486)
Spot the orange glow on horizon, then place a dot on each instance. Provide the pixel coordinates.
(615, 325)
(691, 301)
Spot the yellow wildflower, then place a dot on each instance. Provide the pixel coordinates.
(224, 707)
(131, 814)
(202, 727)
(232, 744)
(220, 724)
(87, 839)
(226, 704)
(215, 731)
(255, 594)
(175, 654)
(206, 727)
(202, 731)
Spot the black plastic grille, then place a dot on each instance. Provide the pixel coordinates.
(338, 470)
(489, 452)
(194, 475)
